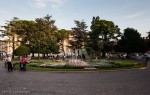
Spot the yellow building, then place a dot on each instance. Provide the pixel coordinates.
(65, 47)
(7, 42)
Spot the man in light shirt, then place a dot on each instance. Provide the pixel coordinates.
(9, 63)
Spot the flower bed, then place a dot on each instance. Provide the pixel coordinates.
(76, 63)
(81, 65)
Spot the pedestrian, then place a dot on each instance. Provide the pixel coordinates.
(9, 63)
(23, 63)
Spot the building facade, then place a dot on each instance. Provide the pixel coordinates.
(7, 42)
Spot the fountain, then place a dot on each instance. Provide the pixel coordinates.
(76, 60)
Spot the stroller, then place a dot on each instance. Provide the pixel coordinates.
(13, 67)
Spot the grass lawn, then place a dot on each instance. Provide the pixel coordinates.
(100, 65)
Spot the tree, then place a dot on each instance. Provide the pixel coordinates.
(148, 34)
(11, 31)
(25, 29)
(22, 50)
(61, 36)
(146, 42)
(79, 36)
(44, 39)
(131, 41)
(39, 35)
(22, 29)
(102, 33)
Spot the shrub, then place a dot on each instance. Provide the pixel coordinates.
(33, 64)
(22, 50)
(122, 64)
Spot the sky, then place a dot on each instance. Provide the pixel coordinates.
(124, 13)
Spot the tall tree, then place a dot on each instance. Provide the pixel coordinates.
(12, 30)
(24, 29)
(102, 33)
(44, 38)
(131, 41)
(145, 43)
(79, 35)
(39, 34)
(148, 34)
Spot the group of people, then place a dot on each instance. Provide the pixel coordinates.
(10, 66)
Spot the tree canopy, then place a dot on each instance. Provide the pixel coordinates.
(42, 36)
(130, 41)
(102, 33)
(79, 35)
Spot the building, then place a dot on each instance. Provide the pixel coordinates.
(64, 49)
(2, 44)
(7, 42)
(68, 50)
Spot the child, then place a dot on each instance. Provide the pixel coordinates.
(23, 63)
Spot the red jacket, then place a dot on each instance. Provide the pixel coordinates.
(23, 60)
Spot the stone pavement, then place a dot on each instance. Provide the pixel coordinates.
(128, 82)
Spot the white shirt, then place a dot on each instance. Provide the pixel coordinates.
(9, 59)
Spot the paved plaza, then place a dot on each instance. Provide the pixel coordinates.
(125, 82)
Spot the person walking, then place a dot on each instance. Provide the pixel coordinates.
(23, 63)
(9, 63)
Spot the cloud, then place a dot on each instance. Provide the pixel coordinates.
(41, 4)
(134, 15)
(56, 3)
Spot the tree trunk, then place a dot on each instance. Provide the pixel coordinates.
(44, 55)
(32, 54)
(47, 55)
(103, 54)
(13, 48)
(63, 47)
(78, 56)
(38, 56)
(38, 52)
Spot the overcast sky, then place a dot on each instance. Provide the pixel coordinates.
(124, 13)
